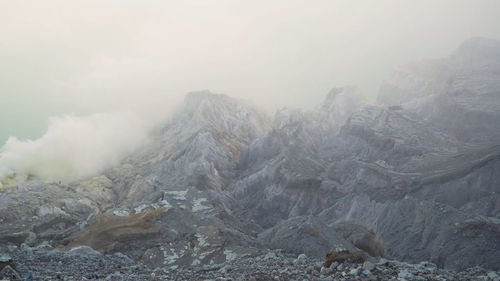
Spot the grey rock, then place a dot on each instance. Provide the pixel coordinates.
(31, 239)
(115, 276)
(413, 178)
(5, 258)
(325, 271)
(123, 257)
(84, 250)
(459, 93)
(270, 255)
(334, 265)
(368, 266)
(24, 247)
(405, 274)
(302, 257)
(354, 271)
(382, 261)
(8, 272)
(225, 269)
(492, 275)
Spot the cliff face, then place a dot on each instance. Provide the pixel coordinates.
(458, 93)
(414, 178)
(414, 185)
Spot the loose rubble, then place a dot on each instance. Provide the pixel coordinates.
(274, 265)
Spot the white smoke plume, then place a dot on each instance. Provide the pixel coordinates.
(74, 147)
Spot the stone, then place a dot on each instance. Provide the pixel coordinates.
(12, 248)
(225, 269)
(84, 250)
(325, 270)
(270, 255)
(382, 261)
(368, 265)
(6, 260)
(10, 273)
(25, 247)
(31, 239)
(405, 274)
(45, 245)
(124, 257)
(301, 259)
(492, 275)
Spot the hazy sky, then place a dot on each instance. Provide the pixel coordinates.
(85, 57)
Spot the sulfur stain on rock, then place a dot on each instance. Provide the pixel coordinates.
(108, 230)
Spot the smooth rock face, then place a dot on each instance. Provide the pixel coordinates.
(413, 178)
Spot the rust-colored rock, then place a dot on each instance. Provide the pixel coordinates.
(108, 230)
(345, 256)
(6, 261)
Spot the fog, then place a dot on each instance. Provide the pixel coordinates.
(105, 72)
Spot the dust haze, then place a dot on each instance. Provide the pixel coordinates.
(83, 82)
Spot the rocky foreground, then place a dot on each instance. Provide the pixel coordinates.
(84, 263)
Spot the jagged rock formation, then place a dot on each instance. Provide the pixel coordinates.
(413, 178)
(400, 171)
(458, 93)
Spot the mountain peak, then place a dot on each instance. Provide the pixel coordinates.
(204, 109)
(206, 101)
(197, 97)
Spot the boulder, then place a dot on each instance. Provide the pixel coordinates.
(345, 256)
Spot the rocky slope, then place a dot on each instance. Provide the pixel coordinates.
(162, 206)
(458, 93)
(425, 189)
(413, 178)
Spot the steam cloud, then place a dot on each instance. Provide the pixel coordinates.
(74, 147)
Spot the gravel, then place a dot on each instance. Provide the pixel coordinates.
(62, 265)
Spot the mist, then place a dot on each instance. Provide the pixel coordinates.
(74, 147)
(83, 82)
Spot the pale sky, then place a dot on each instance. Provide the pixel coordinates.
(84, 57)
